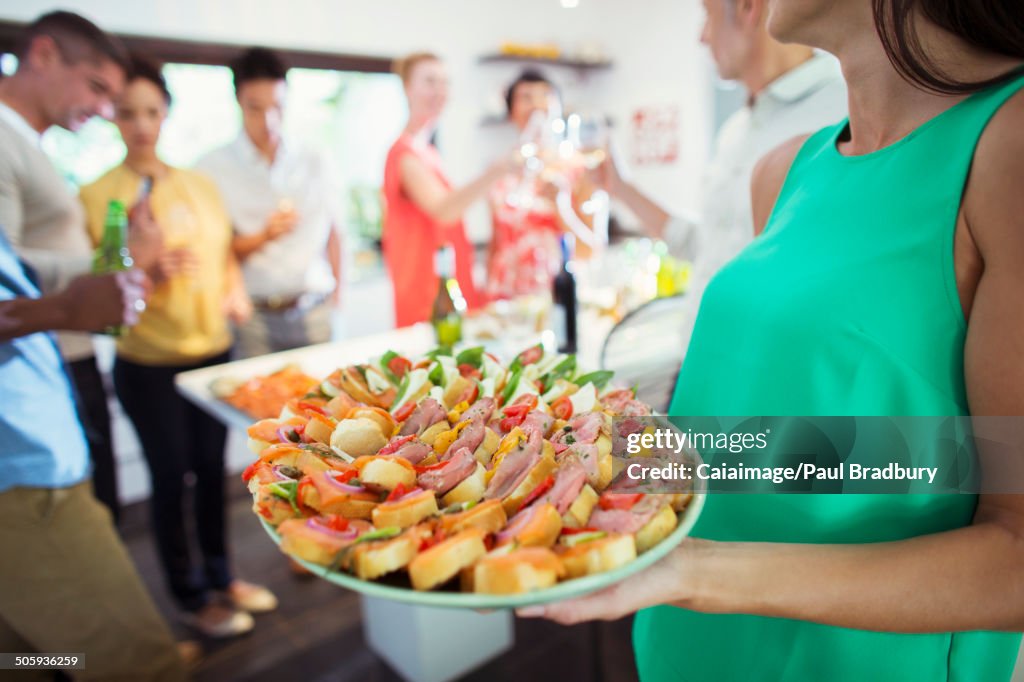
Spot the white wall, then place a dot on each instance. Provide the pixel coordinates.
(657, 56)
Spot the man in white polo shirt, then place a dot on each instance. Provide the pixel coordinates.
(790, 90)
(279, 196)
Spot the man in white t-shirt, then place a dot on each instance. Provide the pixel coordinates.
(790, 90)
(279, 196)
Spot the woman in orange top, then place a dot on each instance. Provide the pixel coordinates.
(424, 211)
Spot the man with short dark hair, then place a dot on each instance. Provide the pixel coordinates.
(279, 197)
(530, 92)
(68, 72)
(68, 582)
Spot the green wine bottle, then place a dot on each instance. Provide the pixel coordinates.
(449, 304)
(112, 253)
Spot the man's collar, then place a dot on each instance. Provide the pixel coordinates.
(799, 82)
(250, 154)
(18, 122)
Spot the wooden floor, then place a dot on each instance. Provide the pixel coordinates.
(316, 635)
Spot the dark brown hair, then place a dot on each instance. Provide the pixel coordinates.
(76, 37)
(527, 76)
(144, 68)
(992, 25)
(258, 63)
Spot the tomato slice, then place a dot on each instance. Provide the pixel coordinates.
(531, 355)
(469, 395)
(399, 366)
(470, 371)
(544, 486)
(395, 445)
(562, 408)
(619, 500)
(405, 411)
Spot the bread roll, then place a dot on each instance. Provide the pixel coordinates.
(522, 570)
(443, 561)
(385, 473)
(405, 512)
(359, 437)
(488, 516)
(470, 489)
(598, 556)
(579, 511)
(657, 529)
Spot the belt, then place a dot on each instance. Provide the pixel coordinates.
(275, 304)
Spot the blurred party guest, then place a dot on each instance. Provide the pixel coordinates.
(68, 71)
(68, 582)
(529, 214)
(286, 232)
(790, 90)
(197, 288)
(424, 211)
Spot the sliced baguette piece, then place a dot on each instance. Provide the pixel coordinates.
(471, 489)
(320, 428)
(488, 516)
(358, 437)
(598, 556)
(657, 529)
(579, 511)
(432, 432)
(488, 447)
(440, 563)
(405, 512)
(522, 570)
(385, 472)
(305, 539)
(604, 461)
(536, 526)
(371, 560)
(542, 469)
(681, 500)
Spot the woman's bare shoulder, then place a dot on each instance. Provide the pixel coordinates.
(767, 178)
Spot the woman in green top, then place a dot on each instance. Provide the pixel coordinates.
(887, 281)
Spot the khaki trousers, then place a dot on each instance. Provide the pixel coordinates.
(67, 585)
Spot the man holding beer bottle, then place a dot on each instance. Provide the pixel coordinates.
(77, 589)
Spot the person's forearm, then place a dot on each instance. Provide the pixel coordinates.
(24, 316)
(966, 579)
(246, 245)
(450, 209)
(334, 258)
(653, 218)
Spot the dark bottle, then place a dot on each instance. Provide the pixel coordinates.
(449, 304)
(563, 309)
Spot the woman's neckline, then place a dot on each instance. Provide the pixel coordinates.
(844, 126)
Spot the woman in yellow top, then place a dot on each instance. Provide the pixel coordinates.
(197, 287)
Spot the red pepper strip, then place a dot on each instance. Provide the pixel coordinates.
(396, 445)
(431, 467)
(250, 471)
(396, 493)
(618, 500)
(303, 405)
(343, 476)
(335, 522)
(468, 370)
(405, 411)
(544, 486)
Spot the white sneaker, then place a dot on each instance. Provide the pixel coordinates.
(249, 597)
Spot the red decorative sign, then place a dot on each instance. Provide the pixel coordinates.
(656, 135)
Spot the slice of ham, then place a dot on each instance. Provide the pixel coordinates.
(616, 400)
(426, 414)
(481, 410)
(627, 520)
(456, 470)
(517, 523)
(538, 421)
(584, 428)
(514, 468)
(470, 437)
(569, 481)
(414, 451)
(587, 455)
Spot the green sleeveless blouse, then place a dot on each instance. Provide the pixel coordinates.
(846, 305)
